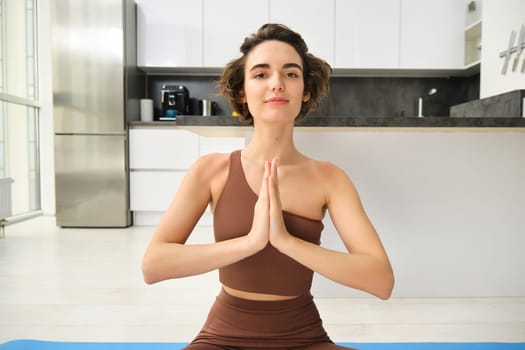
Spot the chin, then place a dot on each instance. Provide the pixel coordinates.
(280, 116)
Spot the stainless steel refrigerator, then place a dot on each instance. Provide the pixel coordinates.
(96, 89)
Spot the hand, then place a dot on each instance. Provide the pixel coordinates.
(259, 232)
(278, 233)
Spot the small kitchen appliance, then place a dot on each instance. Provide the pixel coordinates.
(174, 100)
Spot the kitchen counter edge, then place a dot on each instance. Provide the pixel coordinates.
(361, 122)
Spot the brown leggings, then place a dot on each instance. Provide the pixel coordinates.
(240, 324)
(319, 346)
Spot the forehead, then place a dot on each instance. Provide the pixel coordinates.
(273, 52)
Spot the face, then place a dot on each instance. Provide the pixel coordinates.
(273, 82)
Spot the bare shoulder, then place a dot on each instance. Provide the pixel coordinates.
(209, 164)
(334, 179)
(212, 169)
(328, 172)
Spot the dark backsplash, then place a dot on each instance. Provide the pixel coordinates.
(351, 96)
(396, 97)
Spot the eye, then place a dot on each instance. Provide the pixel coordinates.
(259, 75)
(292, 75)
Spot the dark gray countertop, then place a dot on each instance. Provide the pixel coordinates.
(485, 122)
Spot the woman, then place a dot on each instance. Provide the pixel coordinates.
(268, 201)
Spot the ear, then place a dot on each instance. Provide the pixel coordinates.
(242, 96)
(306, 97)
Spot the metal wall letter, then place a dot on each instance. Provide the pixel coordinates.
(506, 54)
(521, 40)
(511, 49)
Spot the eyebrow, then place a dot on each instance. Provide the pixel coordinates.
(286, 65)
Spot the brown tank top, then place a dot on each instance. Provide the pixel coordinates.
(267, 271)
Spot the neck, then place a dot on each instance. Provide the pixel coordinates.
(269, 142)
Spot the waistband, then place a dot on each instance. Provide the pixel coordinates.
(242, 303)
(250, 324)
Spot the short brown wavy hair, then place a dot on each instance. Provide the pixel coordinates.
(316, 72)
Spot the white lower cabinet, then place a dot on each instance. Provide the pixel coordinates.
(220, 144)
(159, 160)
(158, 148)
(153, 190)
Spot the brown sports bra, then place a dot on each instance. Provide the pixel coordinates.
(267, 271)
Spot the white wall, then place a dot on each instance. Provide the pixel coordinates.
(500, 17)
(448, 205)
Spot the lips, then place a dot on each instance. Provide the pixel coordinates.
(276, 100)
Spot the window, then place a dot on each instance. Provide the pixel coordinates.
(19, 107)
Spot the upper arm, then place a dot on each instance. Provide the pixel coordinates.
(348, 215)
(190, 201)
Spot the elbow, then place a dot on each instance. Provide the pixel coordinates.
(385, 294)
(387, 286)
(148, 279)
(148, 272)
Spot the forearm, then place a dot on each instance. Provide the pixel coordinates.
(359, 271)
(164, 261)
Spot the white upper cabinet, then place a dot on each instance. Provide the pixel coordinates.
(313, 19)
(226, 24)
(169, 33)
(367, 34)
(432, 34)
(349, 34)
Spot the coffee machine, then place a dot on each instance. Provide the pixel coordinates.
(174, 100)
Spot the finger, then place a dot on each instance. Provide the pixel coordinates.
(267, 168)
(273, 187)
(263, 192)
(274, 179)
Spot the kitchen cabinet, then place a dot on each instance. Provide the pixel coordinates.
(367, 34)
(313, 19)
(167, 149)
(419, 35)
(169, 33)
(158, 161)
(432, 34)
(208, 144)
(159, 158)
(226, 24)
(153, 191)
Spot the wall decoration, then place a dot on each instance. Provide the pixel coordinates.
(514, 49)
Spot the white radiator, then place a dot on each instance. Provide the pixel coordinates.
(5, 197)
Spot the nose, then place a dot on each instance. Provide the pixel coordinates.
(277, 83)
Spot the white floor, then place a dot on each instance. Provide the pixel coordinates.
(86, 285)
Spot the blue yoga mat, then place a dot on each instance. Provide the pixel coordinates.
(52, 345)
